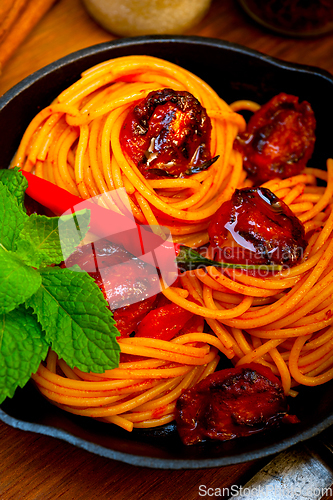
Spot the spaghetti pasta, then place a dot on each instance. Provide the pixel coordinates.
(282, 320)
(83, 124)
(296, 317)
(139, 394)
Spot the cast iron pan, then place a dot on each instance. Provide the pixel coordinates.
(235, 72)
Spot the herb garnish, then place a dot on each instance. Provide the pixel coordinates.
(189, 259)
(41, 304)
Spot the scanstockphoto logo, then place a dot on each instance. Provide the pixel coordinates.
(129, 260)
(272, 491)
(260, 254)
(265, 260)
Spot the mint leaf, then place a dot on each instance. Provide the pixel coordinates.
(72, 229)
(12, 218)
(18, 281)
(40, 242)
(15, 182)
(77, 323)
(22, 348)
(40, 233)
(26, 251)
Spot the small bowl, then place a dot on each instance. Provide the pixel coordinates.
(291, 17)
(235, 72)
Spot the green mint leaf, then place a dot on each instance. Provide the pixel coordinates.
(16, 183)
(26, 251)
(189, 259)
(40, 241)
(18, 281)
(22, 348)
(12, 218)
(77, 323)
(72, 230)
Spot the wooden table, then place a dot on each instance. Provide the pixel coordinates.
(41, 468)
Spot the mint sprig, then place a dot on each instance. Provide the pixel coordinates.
(68, 302)
(40, 243)
(22, 347)
(42, 305)
(12, 218)
(18, 281)
(189, 259)
(16, 184)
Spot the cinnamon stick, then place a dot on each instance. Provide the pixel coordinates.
(27, 19)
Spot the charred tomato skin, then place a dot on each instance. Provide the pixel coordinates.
(279, 139)
(167, 134)
(129, 317)
(121, 277)
(231, 403)
(256, 227)
(151, 315)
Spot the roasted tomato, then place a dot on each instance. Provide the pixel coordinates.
(146, 319)
(128, 318)
(231, 403)
(279, 139)
(164, 323)
(256, 227)
(167, 134)
(123, 279)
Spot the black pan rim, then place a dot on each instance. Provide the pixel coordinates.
(160, 39)
(160, 463)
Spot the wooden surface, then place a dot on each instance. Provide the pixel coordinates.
(41, 468)
(67, 27)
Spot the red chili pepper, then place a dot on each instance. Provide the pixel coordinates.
(128, 318)
(105, 223)
(164, 323)
(102, 221)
